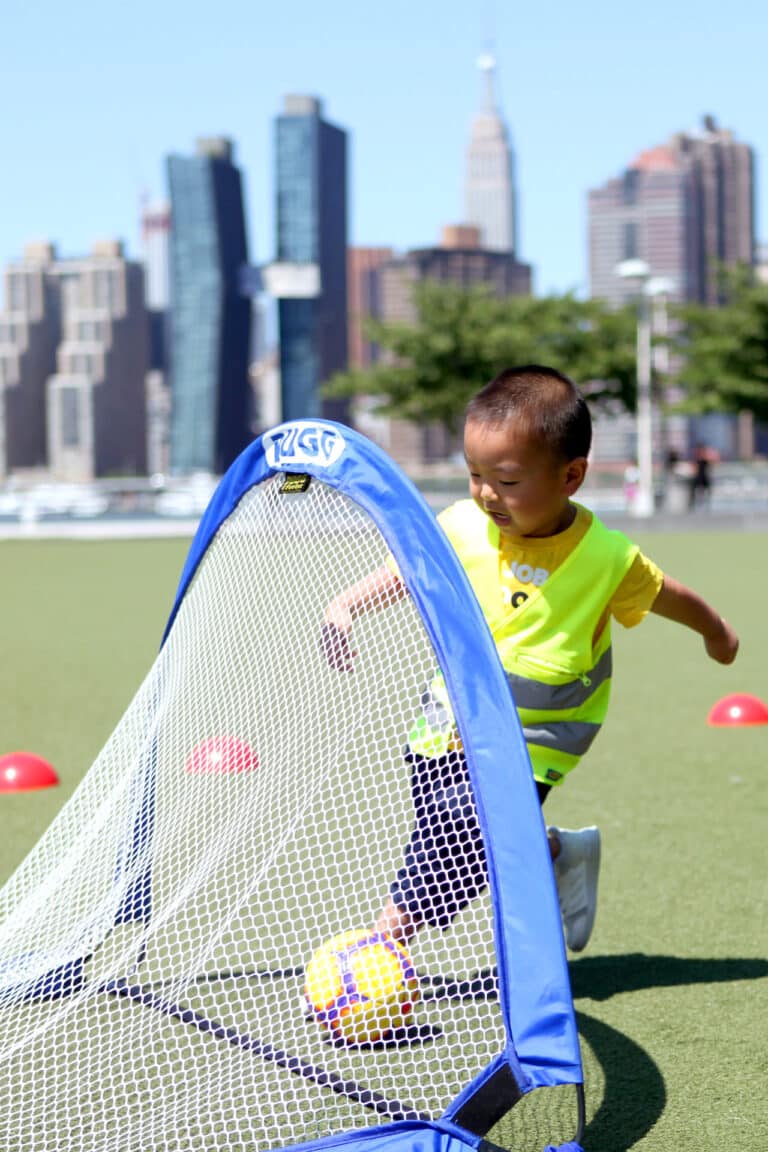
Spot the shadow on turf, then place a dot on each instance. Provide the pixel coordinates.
(634, 1095)
(600, 977)
(400, 1038)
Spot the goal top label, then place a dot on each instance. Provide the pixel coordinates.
(303, 442)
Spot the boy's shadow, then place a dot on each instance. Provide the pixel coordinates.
(634, 1094)
(600, 977)
(634, 1088)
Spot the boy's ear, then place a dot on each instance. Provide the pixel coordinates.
(575, 472)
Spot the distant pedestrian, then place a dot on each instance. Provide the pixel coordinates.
(671, 462)
(674, 469)
(631, 485)
(701, 477)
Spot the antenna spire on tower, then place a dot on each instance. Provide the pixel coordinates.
(487, 65)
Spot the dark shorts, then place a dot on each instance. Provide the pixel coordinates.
(444, 865)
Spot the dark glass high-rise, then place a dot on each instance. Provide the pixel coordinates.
(210, 321)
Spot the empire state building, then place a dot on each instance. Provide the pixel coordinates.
(489, 201)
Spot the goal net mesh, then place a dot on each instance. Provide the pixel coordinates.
(252, 802)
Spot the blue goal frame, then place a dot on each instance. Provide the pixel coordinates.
(542, 1048)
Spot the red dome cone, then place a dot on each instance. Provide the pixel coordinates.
(222, 754)
(23, 772)
(741, 709)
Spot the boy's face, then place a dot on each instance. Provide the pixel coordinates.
(524, 487)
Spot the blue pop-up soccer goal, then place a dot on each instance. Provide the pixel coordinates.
(253, 804)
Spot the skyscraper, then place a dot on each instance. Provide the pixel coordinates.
(311, 217)
(363, 265)
(96, 401)
(382, 287)
(74, 359)
(459, 259)
(685, 208)
(30, 331)
(210, 318)
(155, 243)
(724, 179)
(490, 201)
(646, 213)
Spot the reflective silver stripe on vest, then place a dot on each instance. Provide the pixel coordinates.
(552, 697)
(571, 736)
(437, 716)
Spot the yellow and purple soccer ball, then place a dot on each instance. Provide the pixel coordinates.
(361, 987)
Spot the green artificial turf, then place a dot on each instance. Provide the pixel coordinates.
(81, 624)
(672, 992)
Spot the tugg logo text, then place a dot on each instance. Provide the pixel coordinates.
(303, 442)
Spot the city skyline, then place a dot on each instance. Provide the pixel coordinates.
(582, 95)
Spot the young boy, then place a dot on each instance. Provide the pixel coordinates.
(549, 576)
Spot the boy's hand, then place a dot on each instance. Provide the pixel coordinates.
(377, 590)
(677, 602)
(723, 644)
(334, 641)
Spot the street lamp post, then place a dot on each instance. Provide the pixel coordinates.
(659, 289)
(639, 272)
(648, 287)
(645, 501)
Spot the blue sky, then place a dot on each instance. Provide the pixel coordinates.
(93, 96)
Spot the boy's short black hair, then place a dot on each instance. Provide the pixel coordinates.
(545, 401)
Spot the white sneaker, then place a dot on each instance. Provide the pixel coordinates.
(576, 872)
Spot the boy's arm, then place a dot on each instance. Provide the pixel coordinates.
(378, 590)
(677, 602)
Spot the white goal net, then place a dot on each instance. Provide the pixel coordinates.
(252, 803)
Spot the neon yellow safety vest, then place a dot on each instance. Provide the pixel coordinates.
(560, 679)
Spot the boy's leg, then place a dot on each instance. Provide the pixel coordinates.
(437, 881)
(444, 865)
(398, 922)
(576, 858)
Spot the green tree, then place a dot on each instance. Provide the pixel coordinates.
(723, 351)
(461, 338)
